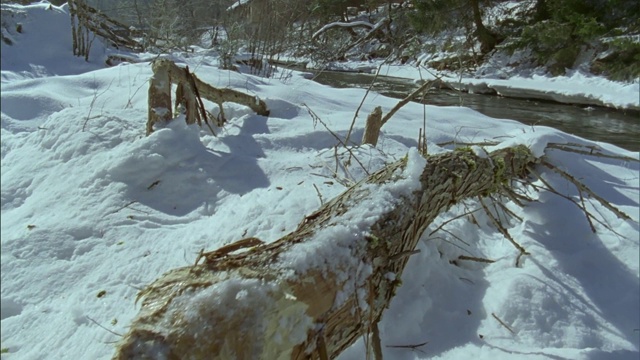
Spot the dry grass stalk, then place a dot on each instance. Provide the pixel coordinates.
(503, 323)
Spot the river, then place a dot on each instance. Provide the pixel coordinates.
(595, 123)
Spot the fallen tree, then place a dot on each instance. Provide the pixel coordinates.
(189, 93)
(313, 292)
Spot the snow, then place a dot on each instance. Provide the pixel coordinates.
(90, 205)
(574, 88)
(238, 4)
(342, 24)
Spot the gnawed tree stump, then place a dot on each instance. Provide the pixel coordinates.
(298, 298)
(189, 93)
(372, 127)
(159, 101)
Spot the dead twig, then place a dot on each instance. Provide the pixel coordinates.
(476, 259)
(504, 231)
(502, 323)
(124, 207)
(505, 209)
(95, 322)
(452, 219)
(153, 184)
(403, 254)
(515, 197)
(319, 195)
(316, 118)
(584, 206)
(455, 236)
(406, 100)
(589, 216)
(322, 348)
(457, 143)
(593, 151)
(93, 101)
(211, 256)
(413, 346)
(579, 185)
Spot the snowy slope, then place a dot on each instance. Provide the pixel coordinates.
(92, 211)
(43, 46)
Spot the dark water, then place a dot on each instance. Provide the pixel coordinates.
(594, 123)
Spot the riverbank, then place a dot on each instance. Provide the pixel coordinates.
(576, 88)
(602, 124)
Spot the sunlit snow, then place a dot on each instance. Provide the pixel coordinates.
(92, 210)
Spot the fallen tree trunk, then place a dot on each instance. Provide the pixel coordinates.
(218, 96)
(189, 93)
(312, 293)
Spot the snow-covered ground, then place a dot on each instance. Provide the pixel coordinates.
(92, 210)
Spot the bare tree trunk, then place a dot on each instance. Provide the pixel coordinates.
(314, 313)
(74, 25)
(487, 39)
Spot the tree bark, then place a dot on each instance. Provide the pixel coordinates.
(487, 39)
(316, 313)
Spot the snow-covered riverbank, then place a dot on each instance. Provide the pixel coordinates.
(577, 88)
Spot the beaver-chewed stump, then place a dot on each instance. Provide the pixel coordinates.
(313, 292)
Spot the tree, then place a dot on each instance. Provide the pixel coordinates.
(488, 40)
(436, 16)
(559, 29)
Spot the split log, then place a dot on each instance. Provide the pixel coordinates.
(191, 89)
(291, 299)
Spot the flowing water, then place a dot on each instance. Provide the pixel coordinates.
(595, 123)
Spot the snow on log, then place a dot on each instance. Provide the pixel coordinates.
(313, 292)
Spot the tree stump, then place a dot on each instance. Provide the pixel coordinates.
(372, 127)
(159, 95)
